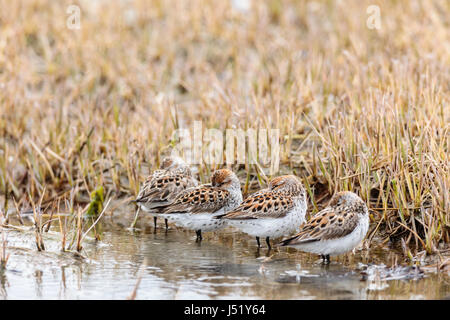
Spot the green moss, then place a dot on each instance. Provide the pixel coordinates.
(96, 205)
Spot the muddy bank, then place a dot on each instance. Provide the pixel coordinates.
(225, 265)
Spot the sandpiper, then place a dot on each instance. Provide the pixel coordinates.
(195, 208)
(273, 212)
(335, 230)
(162, 187)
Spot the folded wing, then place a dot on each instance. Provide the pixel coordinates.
(261, 205)
(326, 225)
(201, 199)
(163, 189)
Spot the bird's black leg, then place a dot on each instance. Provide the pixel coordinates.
(268, 243)
(154, 223)
(199, 235)
(167, 224)
(325, 258)
(257, 241)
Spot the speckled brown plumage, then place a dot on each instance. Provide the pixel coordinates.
(164, 184)
(273, 202)
(199, 200)
(345, 213)
(207, 198)
(266, 205)
(195, 208)
(273, 212)
(164, 188)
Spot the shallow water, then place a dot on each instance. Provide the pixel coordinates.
(225, 265)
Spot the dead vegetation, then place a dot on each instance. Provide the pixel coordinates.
(358, 109)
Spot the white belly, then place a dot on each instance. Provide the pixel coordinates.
(339, 245)
(148, 210)
(272, 227)
(198, 221)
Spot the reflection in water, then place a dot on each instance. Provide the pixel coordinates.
(38, 283)
(3, 285)
(226, 265)
(62, 288)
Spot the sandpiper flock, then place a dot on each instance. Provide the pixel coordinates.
(279, 211)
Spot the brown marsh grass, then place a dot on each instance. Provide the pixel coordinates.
(358, 109)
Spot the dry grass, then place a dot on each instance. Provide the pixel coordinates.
(358, 109)
(4, 256)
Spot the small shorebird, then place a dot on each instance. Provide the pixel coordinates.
(196, 207)
(335, 230)
(273, 212)
(162, 187)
